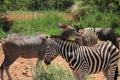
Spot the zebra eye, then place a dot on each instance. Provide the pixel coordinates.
(47, 47)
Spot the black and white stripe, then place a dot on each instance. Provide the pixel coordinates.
(88, 37)
(85, 60)
(91, 35)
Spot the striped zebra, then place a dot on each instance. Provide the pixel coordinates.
(87, 37)
(68, 31)
(84, 60)
(102, 34)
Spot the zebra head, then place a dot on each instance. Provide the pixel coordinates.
(68, 31)
(52, 52)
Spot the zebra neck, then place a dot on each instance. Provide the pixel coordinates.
(67, 48)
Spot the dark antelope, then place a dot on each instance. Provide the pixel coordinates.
(22, 45)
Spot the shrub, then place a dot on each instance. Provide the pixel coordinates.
(50, 4)
(46, 23)
(100, 19)
(52, 73)
(85, 7)
(5, 23)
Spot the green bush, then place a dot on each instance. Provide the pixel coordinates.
(35, 4)
(100, 19)
(50, 4)
(52, 73)
(86, 7)
(2, 33)
(46, 23)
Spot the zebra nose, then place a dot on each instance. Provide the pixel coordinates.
(47, 62)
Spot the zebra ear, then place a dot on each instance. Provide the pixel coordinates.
(81, 31)
(63, 26)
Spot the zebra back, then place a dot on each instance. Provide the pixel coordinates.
(89, 36)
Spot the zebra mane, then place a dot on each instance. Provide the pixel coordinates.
(58, 37)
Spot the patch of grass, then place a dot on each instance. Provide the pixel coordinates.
(100, 19)
(2, 33)
(52, 73)
(46, 23)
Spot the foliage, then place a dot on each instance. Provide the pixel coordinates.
(2, 7)
(85, 7)
(14, 5)
(2, 33)
(100, 19)
(51, 4)
(52, 73)
(46, 23)
(17, 4)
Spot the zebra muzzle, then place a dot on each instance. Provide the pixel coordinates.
(47, 62)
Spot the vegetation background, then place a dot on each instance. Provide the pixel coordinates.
(44, 15)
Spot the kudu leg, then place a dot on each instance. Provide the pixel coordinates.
(7, 64)
(8, 73)
(1, 73)
(2, 67)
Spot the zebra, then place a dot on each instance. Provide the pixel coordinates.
(83, 59)
(87, 37)
(68, 31)
(102, 34)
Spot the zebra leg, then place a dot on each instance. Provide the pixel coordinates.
(106, 74)
(113, 72)
(82, 75)
(76, 76)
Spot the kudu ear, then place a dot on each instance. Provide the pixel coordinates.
(63, 26)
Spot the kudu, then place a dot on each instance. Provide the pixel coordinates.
(22, 45)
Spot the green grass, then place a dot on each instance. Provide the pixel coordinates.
(101, 19)
(47, 23)
(52, 73)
